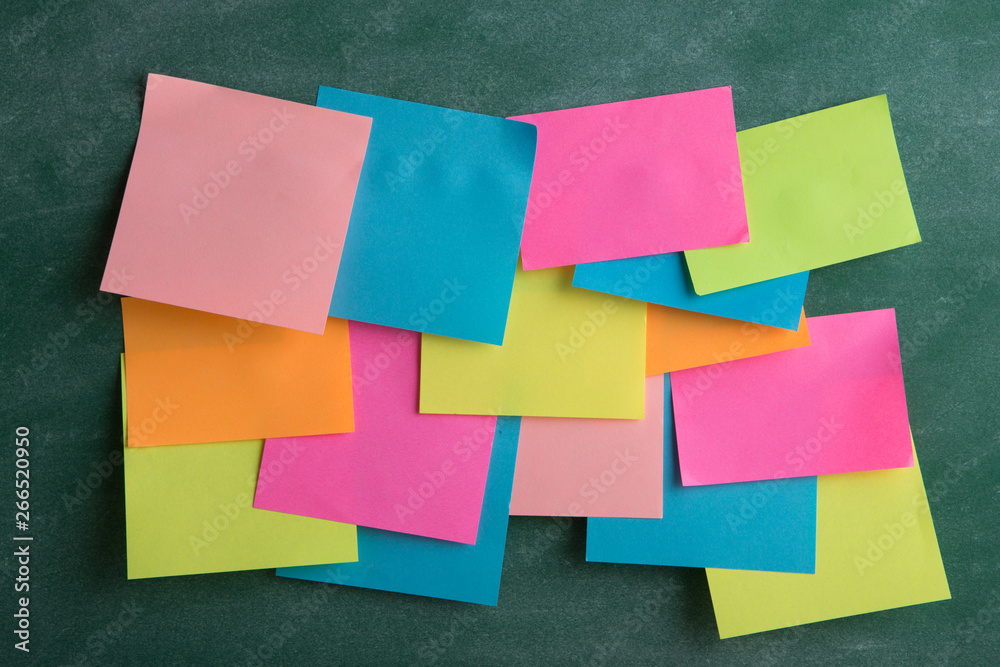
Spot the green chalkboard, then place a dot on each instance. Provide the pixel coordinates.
(71, 77)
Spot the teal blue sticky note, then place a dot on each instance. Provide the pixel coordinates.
(767, 525)
(664, 280)
(416, 565)
(434, 234)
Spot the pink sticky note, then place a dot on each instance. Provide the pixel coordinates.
(634, 178)
(400, 470)
(237, 204)
(592, 467)
(835, 406)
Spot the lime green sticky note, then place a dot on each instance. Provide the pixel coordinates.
(188, 510)
(875, 549)
(567, 352)
(820, 189)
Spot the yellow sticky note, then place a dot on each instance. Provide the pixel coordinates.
(188, 510)
(820, 189)
(567, 352)
(875, 549)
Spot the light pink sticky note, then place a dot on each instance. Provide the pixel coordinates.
(634, 178)
(237, 204)
(592, 467)
(400, 470)
(835, 406)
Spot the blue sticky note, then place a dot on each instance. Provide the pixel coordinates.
(436, 226)
(746, 526)
(416, 565)
(664, 279)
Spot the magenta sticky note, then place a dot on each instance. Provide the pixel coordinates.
(634, 178)
(592, 467)
(237, 204)
(400, 470)
(835, 406)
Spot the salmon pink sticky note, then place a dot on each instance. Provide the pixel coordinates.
(634, 178)
(835, 406)
(592, 467)
(400, 470)
(237, 204)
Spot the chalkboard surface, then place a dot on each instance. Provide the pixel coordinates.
(71, 77)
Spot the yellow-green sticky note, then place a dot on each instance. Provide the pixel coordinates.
(567, 352)
(188, 510)
(875, 549)
(822, 188)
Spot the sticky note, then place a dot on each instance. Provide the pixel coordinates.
(634, 178)
(236, 204)
(822, 188)
(188, 511)
(750, 525)
(196, 377)
(835, 406)
(390, 561)
(680, 339)
(592, 467)
(875, 549)
(568, 353)
(435, 233)
(664, 280)
(399, 470)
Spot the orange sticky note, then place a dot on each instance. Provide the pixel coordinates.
(196, 377)
(678, 339)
